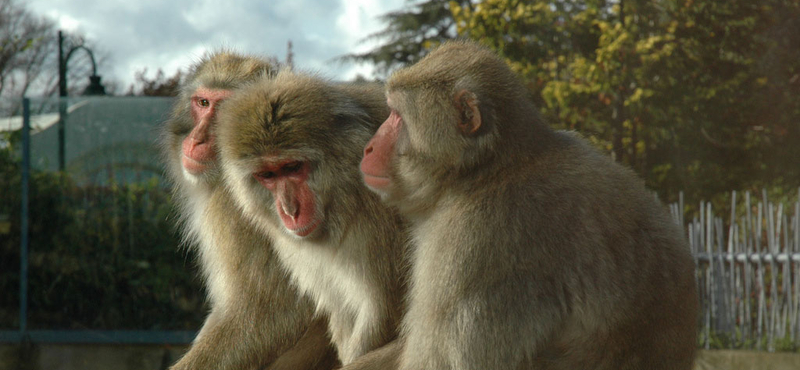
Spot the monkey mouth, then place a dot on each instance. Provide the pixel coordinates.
(304, 230)
(299, 219)
(377, 182)
(193, 166)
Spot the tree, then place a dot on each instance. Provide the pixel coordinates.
(690, 93)
(29, 55)
(158, 86)
(409, 34)
(25, 43)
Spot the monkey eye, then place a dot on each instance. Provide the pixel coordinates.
(272, 174)
(266, 175)
(292, 167)
(203, 102)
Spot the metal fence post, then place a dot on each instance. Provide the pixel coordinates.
(23, 259)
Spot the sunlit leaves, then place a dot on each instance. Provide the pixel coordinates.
(674, 88)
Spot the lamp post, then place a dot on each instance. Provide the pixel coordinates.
(94, 88)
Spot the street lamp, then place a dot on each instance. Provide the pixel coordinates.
(94, 88)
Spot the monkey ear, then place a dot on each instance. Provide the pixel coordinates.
(469, 116)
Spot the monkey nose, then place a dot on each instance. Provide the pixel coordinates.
(290, 209)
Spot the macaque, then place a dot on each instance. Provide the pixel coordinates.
(529, 248)
(290, 148)
(256, 313)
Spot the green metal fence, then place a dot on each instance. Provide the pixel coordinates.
(89, 254)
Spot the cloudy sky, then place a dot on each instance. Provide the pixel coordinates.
(170, 35)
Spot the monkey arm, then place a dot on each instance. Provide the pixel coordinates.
(213, 346)
(256, 314)
(384, 358)
(312, 351)
(251, 340)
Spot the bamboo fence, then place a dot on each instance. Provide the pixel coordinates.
(748, 273)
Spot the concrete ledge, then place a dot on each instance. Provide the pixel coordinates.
(159, 357)
(746, 360)
(89, 356)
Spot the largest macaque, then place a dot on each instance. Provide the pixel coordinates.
(256, 314)
(530, 249)
(290, 148)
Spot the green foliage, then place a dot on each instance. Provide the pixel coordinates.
(100, 257)
(695, 95)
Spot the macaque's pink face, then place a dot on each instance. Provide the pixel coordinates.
(379, 152)
(294, 200)
(198, 147)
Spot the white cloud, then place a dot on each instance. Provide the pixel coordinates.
(360, 19)
(171, 35)
(63, 21)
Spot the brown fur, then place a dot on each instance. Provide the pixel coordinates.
(256, 315)
(350, 265)
(530, 249)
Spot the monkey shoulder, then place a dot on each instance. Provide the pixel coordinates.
(593, 192)
(572, 185)
(572, 164)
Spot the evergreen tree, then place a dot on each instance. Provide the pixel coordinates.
(409, 34)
